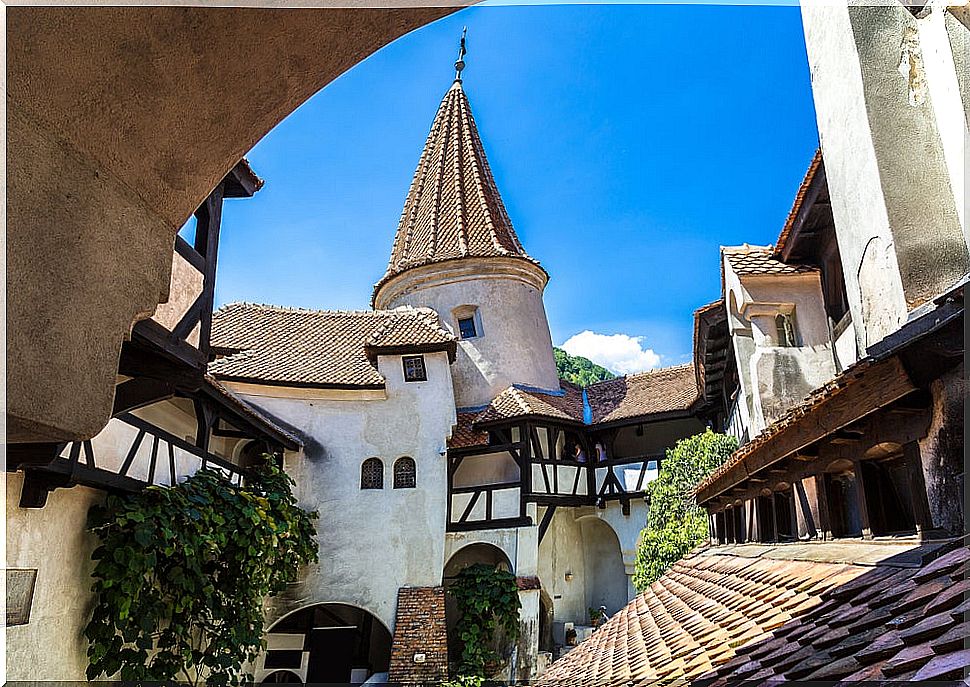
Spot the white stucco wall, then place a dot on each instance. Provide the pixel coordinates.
(888, 147)
(52, 540)
(598, 546)
(372, 542)
(514, 346)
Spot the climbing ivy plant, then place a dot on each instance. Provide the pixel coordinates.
(182, 572)
(487, 600)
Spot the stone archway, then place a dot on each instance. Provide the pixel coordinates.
(479, 552)
(326, 643)
(121, 120)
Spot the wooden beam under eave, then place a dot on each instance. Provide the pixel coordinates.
(873, 388)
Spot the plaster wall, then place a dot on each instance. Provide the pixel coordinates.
(776, 377)
(184, 288)
(784, 376)
(120, 121)
(52, 540)
(372, 542)
(656, 438)
(942, 83)
(586, 543)
(519, 544)
(895, 214)
(514, 346)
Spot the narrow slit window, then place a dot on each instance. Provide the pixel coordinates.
(372, 474)
(786, 330)
(466, 327)
(414, 369)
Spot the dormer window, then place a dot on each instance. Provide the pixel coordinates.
(466, 327)
(414, 370)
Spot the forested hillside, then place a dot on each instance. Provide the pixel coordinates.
(580, 370)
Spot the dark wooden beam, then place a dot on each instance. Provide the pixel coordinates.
(140, 392)
(546, 520)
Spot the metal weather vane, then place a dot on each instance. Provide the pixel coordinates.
(460, 62)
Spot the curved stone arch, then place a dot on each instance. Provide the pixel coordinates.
(194, 90)
(331, 602)
(484, 547)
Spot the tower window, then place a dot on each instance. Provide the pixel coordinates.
(372, 474)
(414, 370)
(466, 327)
(405, 473)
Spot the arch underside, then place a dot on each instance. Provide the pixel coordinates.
(120, 122)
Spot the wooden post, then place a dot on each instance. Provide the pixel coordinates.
(921, 506)
(861, 502)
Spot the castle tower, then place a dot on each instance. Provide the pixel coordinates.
(456, 252)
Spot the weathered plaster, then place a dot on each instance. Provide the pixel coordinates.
(53, 540)
(121, 120)
(372, 542)
(515, 346)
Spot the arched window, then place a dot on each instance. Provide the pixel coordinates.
(405, 473)
(372, 474)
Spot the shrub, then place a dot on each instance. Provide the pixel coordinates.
(676, 524)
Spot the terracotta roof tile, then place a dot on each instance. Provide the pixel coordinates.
(465, 435)
(326, 348)
(704, 619)
(663, 390)
(517, 401)
(453, 209)
(759, 260)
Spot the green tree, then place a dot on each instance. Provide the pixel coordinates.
(579, 370)
(182, 572)
(675, 523)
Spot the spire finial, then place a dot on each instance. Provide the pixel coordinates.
(460, 62)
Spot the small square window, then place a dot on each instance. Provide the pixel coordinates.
(466, 327)
(414, 370)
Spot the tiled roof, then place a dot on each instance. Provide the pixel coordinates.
(517, 402)
(663, 390)
(724, 616)
(797, 205)
(453, 208)
(295, 347)
(760, 260)
(465, 435)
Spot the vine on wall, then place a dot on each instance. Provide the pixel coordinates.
(487, 600)
(182, 572)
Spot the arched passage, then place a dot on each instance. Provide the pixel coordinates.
(466, 556)
(605, 579)
(326, 643)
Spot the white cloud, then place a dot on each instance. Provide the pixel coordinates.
(618, 353)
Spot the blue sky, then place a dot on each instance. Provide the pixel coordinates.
(628, 141)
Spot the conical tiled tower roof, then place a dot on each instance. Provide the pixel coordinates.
(453, 209)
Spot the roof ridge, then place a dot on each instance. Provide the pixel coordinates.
(644, 373)
(419, 312)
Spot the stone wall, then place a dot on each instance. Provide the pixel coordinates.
(419, 653)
